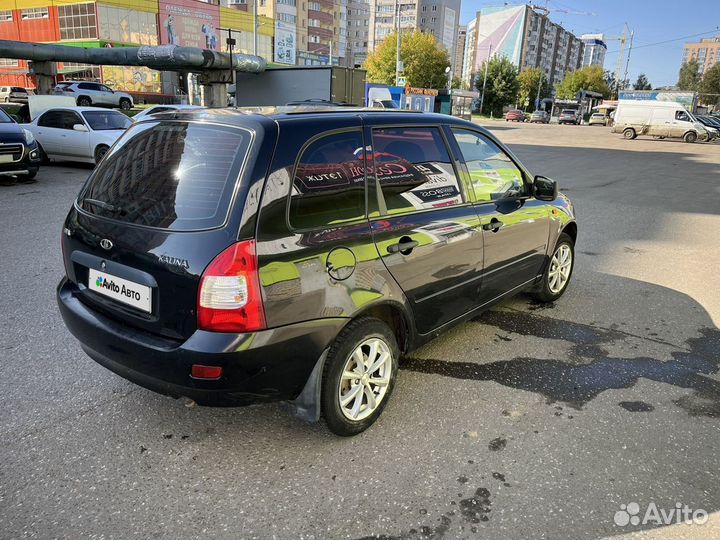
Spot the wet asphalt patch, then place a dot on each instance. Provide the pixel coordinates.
(589, 369)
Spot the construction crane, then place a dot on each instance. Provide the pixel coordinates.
(624, 39)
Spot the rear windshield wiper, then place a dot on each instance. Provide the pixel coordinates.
(105, 206)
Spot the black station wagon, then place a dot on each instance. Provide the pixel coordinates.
(235, 257)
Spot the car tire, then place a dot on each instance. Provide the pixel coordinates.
(125, 104)
(372, 339)
(7, 99)
(629, 133)
(84, 101)
(690, 137)
(559, 270)
(100, 152)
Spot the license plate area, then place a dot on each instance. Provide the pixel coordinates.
(121, 290)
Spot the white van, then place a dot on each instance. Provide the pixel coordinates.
(658, 119)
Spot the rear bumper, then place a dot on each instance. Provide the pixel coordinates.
(269, 365)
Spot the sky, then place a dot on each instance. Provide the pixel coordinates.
(652, 21)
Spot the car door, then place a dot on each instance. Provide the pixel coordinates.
(423, 224)
(515, 226)
(48, 132)
(107, 95)
(680, 124)
(660, 122)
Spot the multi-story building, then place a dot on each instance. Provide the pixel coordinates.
(706, 52)
(595, 49)
(123, 23)
(438, 17)
(470, 54)
(358, 30)
(527, 37)
(457, 59)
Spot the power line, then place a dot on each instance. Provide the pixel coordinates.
(668, 41)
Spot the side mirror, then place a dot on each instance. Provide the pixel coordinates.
(80, 127)
(545, 189)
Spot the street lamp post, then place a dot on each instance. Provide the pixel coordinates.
(487, 62)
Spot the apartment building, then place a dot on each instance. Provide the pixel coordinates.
(527, 37)
(457, 59)
(440, 18)
(595, 49)
(358, 31)
(706, 52)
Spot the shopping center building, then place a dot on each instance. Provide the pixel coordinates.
(127, 23)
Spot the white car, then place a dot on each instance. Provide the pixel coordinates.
(16, 94)
(156, 109)
(91, 93)
(77, 133)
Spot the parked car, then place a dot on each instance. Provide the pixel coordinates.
(540, 117)
(515, 116)
(712, 126)
(569, 116)
(234, 258)
(91, 93)
(77, 133)
(598, 119)
(157, 109)
(19, 152)
(660, 119)
(16, 94)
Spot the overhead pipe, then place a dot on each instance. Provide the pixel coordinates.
(160, 57)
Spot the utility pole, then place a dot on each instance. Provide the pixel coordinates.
(330, 55)
(255, 27)
(537, 99)
(231, 43)
(397, 46)
(482, 95)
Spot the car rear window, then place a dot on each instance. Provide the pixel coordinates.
(170, 175)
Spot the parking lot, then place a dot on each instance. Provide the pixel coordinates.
(531, 421)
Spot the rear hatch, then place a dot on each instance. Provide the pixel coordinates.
(156, 211)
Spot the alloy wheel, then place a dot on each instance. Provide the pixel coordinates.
(365, 379)
(560, 267)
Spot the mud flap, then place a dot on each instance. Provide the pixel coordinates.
(307, 405)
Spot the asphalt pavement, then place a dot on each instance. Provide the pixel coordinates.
(531, 421)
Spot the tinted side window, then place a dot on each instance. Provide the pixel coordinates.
(51, 119)
(69, 119)
(86, 86)
(413, 170)
(329, 182)
(492, 173)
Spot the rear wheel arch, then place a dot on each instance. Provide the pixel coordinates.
(396, 318)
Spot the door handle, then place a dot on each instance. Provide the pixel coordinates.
(494, 225)
(404, 246)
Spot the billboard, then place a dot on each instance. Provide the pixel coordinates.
(188, 23)
(686, 99)
(285, 46)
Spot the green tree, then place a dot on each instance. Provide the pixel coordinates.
(642, 83)
(529, 79)
(502, 85)
(423, 59)
(710, 86)
(590, 78)
(689, 78)
(458, 83)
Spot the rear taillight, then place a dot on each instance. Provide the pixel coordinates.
(229, 298)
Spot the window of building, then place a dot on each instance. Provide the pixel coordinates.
(413, 170)
(285, 17)
(433, 20)
(314, 23)
(6, 16)
(34, 13)
(434, 8)
(493, 174)
(77, 21)
(82, 72)
(329, 182)
(11, 62)
(315, 6)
